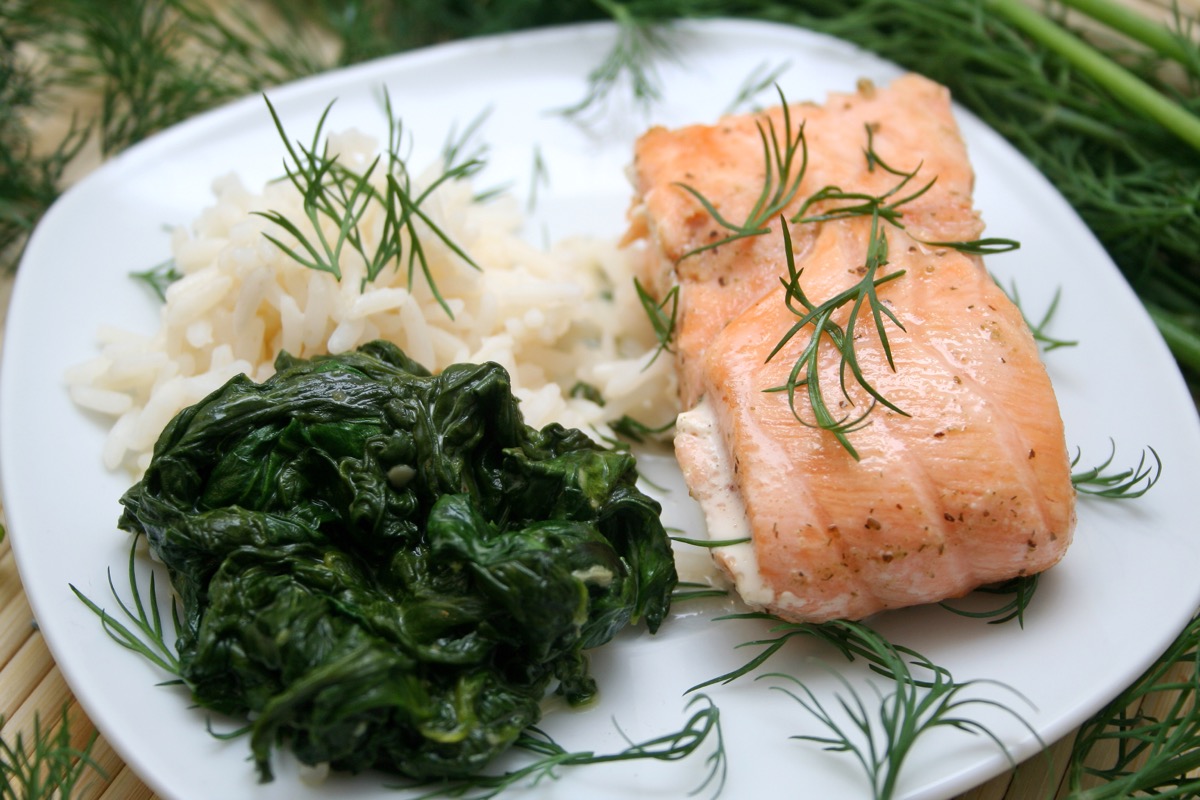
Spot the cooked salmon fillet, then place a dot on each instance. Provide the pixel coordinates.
(970, 486)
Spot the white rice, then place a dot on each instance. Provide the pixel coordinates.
(553, 318)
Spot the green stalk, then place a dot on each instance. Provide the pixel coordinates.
(1183, 340)
(1124, 19)
(1123, 85)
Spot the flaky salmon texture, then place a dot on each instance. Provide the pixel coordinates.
(972, 487)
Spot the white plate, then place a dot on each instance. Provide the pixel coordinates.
(1122, 593)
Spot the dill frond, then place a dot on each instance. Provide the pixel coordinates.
(785, 160)
(1126, 484)
(1021, 589)
(46, 764)
(340, 196)
(662, 316)
(804, 373)
(922, 697)
(703, 724)
(30, 179)
(142, 630)
(1146, 741)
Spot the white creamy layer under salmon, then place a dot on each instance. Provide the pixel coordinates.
(972, 487)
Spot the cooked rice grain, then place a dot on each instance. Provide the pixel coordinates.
(554, 318)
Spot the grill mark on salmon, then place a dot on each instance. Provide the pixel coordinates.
(972, 488)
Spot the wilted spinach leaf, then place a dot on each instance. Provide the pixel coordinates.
(383, 568)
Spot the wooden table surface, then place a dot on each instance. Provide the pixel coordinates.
(32, 688)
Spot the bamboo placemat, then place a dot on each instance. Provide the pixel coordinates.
(34, 693)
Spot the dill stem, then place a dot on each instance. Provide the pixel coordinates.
(1183, 340)
(1121, 18)
(1123, 85)
(1160, 775)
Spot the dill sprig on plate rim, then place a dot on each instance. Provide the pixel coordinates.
(924, 697)
(142, 629)
(1125, 484)
(632, 59)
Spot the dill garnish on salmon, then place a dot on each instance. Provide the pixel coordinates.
(860, 398)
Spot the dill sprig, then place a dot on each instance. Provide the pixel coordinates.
(1125, 484)
(158, 277)
(841, 204)
(539, 177)
(662, 315)
(30, 180)
(342, 196)
(760, 78)
(923, 697)
(784, 165)
(46, 764)
(886, 206)
(804, 373)
(1146, 741)
(153, 63)
(1039, 329)
(631, 60)
(637, 431)
(710, 543)
(1021, 589)
(691, 590)
(145, 634)
(313, 174)
(881, 739)
(704, 722)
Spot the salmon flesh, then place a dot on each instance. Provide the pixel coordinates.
(962, 478)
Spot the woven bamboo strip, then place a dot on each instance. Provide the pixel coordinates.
(43, 705)
(126, 785)
(16, 626)
(22, 674)
(10, 580)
